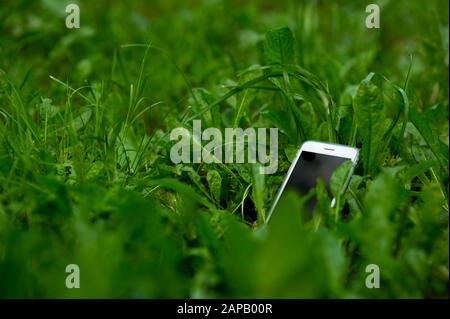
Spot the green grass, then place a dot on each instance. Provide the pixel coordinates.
(86, 177)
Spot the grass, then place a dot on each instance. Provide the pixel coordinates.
(86, 177)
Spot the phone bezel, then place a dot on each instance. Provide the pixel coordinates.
(325, 148)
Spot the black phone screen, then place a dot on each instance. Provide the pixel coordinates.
(309, 167)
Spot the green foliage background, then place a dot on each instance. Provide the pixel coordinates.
(85, 173)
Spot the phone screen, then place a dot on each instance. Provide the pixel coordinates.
(309, 167)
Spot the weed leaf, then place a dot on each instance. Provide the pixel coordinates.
(279, 46)
(368, 112)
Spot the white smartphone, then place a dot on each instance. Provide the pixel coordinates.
(313, 160)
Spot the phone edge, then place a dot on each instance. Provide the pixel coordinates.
(294, 163)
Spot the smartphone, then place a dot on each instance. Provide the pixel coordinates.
(313, 160)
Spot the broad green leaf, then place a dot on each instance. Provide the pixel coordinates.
(282, 121)
(279, 46)
(339, 178)
(338, 184)
(439, 149)
(384, 195)
(244, 172)
(368, 112)
(323, 203)
(353, 195)
(376, 232)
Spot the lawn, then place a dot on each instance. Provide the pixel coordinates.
(86, 176)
